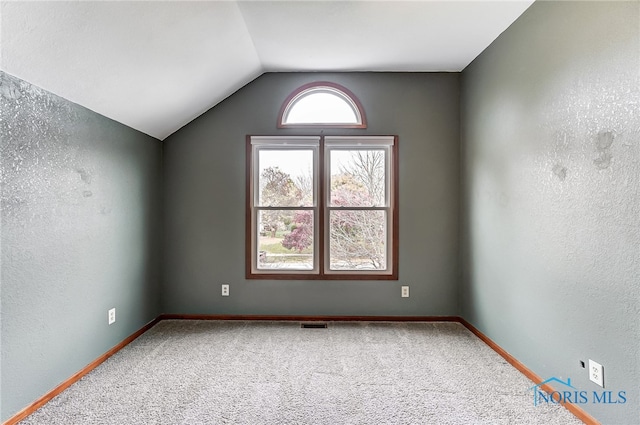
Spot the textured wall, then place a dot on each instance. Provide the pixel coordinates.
(551, 188)
(80, 234)
(205, 201)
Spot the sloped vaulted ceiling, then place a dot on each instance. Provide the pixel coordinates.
(156, 65)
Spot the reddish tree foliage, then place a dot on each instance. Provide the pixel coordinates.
(301, 235)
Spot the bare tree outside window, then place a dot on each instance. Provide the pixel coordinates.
(367, 167)
(357, 238)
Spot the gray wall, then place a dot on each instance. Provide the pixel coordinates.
(80, 234)
(551, 194)
(204, 177)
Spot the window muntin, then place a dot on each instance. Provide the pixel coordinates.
(322, 104)
(344, 229)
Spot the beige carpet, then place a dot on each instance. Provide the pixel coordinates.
(217, 372)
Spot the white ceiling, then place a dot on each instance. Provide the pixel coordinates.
(157, 65)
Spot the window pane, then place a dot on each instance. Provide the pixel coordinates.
(285, 178)
(321, 108)
(358, 240)
(285, 240)
(357, 178)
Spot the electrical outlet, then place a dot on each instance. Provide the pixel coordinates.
(112, 316)
(225, 290)
(405, 292)
(596, 373)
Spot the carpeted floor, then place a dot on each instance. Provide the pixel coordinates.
(217, 372)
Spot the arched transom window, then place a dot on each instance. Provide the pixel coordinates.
(322, 104)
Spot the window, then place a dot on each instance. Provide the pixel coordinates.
(322, 104)
(322, 207)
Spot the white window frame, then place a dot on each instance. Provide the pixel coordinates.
(259, 143)
(351, 143)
